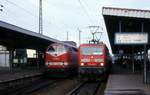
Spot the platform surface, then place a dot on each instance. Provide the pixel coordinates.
(7, 74)
(126, 84)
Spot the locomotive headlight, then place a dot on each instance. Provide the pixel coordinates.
(46, 63)
(61, 63)
(82, 64)
(49, 63)
(65, 63)
(101, 64)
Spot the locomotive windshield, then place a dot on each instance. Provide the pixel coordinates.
(56, 49)
(91, 51)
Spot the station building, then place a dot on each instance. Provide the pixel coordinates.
(128, 31)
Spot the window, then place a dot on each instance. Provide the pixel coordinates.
(91, 51)
(56, 49)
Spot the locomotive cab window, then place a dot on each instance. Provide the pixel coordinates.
(91, 51)
(56, 49)
(50, 49)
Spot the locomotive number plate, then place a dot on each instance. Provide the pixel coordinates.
(91, 60)
(56, 63)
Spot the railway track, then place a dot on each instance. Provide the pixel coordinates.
(27, 88)
(86, 88)
(59, 88)
(34, 87)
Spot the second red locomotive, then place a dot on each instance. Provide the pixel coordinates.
(94, 61)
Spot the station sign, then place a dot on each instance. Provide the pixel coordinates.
(131, 38)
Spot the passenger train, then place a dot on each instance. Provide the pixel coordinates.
(61, 60)
(94, 61)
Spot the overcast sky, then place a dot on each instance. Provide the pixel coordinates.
(62, 16)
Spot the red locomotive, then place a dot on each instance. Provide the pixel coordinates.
(61, 60)
(94, 61)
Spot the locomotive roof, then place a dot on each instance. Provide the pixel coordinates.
(65, 44)
(93, 44)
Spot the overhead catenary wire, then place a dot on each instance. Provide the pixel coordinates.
(19, 8)
(25, 10)
(102, 22)
(7, 12)
(15, 17)
(10, 2)
(86, 12)
(84, 9)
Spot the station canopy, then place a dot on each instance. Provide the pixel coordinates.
(14, 37)
(120, 21)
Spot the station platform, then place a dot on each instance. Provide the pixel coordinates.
(7, 74)
(121, 83)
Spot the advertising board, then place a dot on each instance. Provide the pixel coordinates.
(131, 38)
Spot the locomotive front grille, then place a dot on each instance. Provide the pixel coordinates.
(91, 70)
